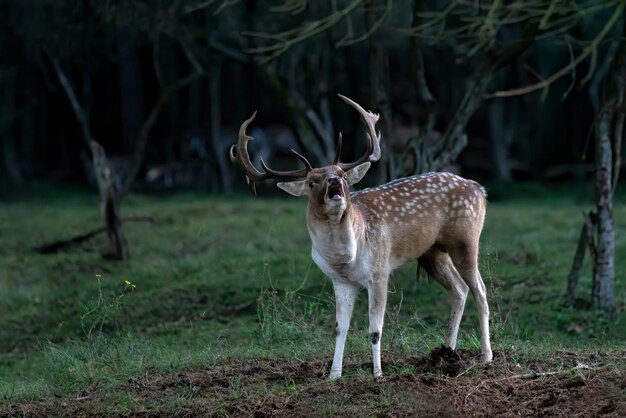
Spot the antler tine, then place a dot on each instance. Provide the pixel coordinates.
(338, 150)
(239, 154)
(306, 162)
(290, 174)
(372, 152)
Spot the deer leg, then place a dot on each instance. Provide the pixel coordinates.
(345, 295)
(457, 290)
(377, 293)
(480, 296)
(440, 268)
(465, 259)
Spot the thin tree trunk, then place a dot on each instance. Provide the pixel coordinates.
(608, 131)
(604, 271)
(11, 160)
(106, 177)
(215, 97)
(586, 234)
(131, 87)
(427, 105)
(425, 99)
(454, 139)
(379, 83)
(110, 199)
(146, 128)
(297, 114)
(499, 140)
(9, 152)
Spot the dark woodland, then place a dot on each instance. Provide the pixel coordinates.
(135, 104)
(167, 84)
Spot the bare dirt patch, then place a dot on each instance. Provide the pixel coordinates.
(442, 383)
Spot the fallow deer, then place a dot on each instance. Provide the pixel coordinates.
(359, 238)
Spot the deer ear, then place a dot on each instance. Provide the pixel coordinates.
(295, 188)
(357, 173)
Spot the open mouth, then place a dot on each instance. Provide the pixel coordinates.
(334, 192)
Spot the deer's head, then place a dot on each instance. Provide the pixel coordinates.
(327, 188)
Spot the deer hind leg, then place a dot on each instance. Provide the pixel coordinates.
(377, 295)
(465, 258)
(345, 295)
(438, 265)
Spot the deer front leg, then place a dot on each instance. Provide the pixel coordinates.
(345, 295)
(377, 292)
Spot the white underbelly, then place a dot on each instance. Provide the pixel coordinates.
(395, 262)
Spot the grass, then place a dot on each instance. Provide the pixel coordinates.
(221, 291)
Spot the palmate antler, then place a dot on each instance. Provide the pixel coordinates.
(238, 152)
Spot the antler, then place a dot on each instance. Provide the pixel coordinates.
(238, 154)
(372, 151)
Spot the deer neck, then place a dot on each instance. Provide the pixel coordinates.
(335, 238)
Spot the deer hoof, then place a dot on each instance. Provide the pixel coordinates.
(334, 375)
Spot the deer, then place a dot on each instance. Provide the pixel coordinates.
(358, 238)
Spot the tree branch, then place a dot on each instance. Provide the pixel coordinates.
(55, 247)
(373, 27)
(423, 93)
(286, 39)
(144, 133)
(81, 115)
(590, 49)
(454, 140)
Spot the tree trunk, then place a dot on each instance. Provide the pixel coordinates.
(379, 83)
(454, 139)
(500, 140)
(110, 198)
(215, 97)
(131, 88)
(585, 239)
(297, 114)
(608, 132)
(109, 183)
(604, 269)
(11, 160)
(7, 115)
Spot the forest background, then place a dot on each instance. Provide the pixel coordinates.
(117, 116)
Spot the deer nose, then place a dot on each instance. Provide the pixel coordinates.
(333, 181)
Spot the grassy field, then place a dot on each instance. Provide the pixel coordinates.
(220, 311)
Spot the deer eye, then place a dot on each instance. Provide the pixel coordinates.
(345, 177)
(311, 184)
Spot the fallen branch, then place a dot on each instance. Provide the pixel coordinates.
(537, 375)
(532, 374)
(57, 246)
